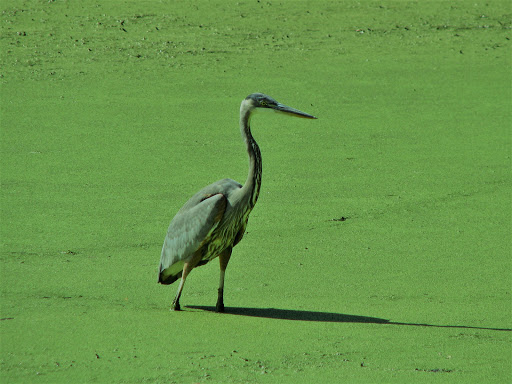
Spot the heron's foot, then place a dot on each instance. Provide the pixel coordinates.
(220, 301)
(175, 306)
(220, 305)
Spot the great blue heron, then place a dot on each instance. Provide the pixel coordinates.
(213, 221)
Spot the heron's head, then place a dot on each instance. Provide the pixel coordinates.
(260, 100)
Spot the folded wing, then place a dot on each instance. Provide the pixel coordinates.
(190, 228)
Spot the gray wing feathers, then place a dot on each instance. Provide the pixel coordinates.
(189, 228)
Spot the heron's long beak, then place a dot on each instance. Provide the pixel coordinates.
(292, 111)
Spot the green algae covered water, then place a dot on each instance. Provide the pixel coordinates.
(379, 250)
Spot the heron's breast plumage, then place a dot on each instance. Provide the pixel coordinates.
(228, 233)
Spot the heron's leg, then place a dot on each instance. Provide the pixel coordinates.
(224, 260)
(175, 306)
(187, 268)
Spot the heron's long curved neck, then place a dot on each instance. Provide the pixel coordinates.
(251, 188)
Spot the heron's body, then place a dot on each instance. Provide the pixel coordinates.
(214, 220)
(218, 210)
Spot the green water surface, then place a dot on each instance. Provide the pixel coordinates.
(379, 250)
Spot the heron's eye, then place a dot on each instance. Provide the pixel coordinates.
(263, 103)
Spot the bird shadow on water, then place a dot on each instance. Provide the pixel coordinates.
(327, 317)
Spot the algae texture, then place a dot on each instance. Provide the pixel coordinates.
(379, 250)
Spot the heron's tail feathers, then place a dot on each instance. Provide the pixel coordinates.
(174, 272)
(170, 274)
(166, 280)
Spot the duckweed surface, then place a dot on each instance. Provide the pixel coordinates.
(379, 250)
